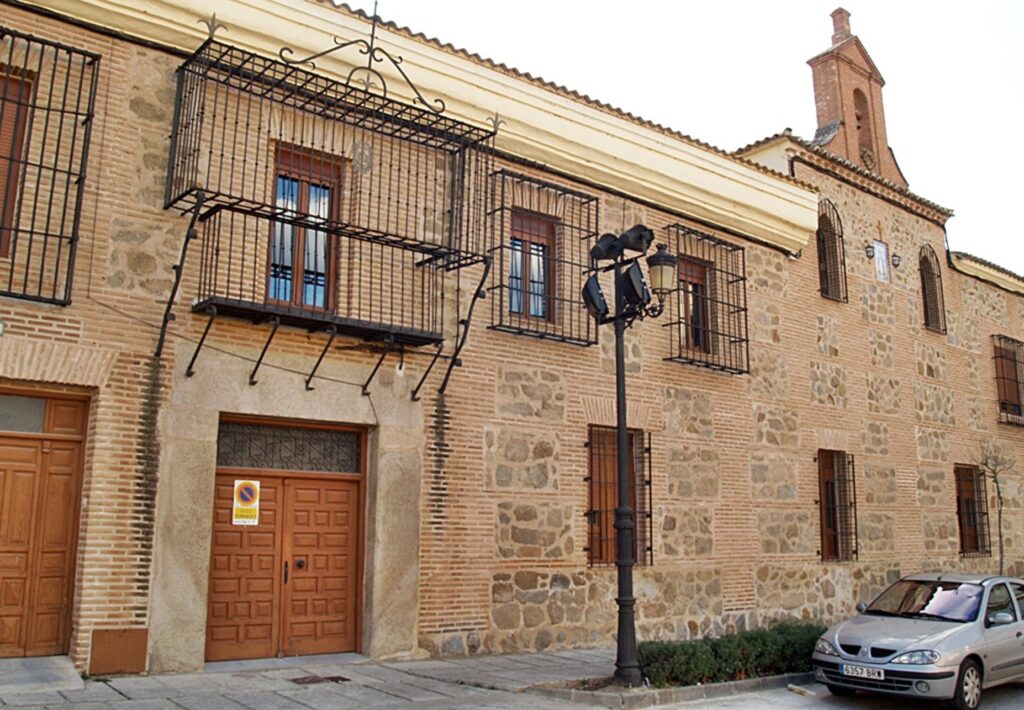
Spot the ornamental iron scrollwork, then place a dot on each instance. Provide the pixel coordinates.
(367, 75)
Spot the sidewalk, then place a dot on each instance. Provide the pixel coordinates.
(337, 682)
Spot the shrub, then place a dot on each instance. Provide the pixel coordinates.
(785, 648)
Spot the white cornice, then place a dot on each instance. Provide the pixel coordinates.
(542, 124)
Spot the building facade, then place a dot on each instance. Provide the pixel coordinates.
(294, 360)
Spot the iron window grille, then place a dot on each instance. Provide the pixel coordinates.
(543, 234)
(1009, 368)
(708, 311)
(603, 496)
(47, 102)
(972, 512)
(837, 503)
(831, 253)
(931, 290)
(322, 203)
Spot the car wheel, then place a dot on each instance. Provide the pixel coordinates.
(968, 687)
(840, 690)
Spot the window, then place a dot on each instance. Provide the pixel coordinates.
(831, 253)
(881, 260)
(708, 311)
(302, 260)
(603, 496)
(1018, 594)
(47, 99)
(1009, 366)
(865, 143)
(837, 501)
(530, 268)
(972, 511)
(999, 602)
(541, 257)
(695, 317)
(931, 291)
(15, 96)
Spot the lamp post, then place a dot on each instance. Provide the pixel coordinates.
(632, 302)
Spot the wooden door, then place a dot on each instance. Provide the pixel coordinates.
(243, 617)
(320, 549)
(828, 505)
(40, 483)
(289, 585)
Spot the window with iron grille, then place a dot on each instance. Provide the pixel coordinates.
(837, 502)
(603, 496)
(543, 234)
(47, 95)
(708, 310)
(1009, 368)
(271, 446)
(931, 291)
(972, 511)
(831, 252)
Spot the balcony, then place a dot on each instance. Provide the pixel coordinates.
(321, 203)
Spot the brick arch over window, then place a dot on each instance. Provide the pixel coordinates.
(931, 291)
(831, 252)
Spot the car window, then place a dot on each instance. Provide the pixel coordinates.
(934, 599)
(999, 601)
(1018, 591)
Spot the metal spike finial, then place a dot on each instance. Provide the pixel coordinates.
(212, 26)
(496, 121)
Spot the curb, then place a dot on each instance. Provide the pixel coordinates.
(643, 697)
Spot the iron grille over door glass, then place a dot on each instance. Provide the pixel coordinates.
(603, 496)
(972, 511)
(1009, 367)
(831, 252)
(47, 97)
(708, 310)
(248, 445)
(837, 491)
(323, 204)
(541, 256)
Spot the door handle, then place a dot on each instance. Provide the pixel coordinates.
(286, 572)
(301, 564)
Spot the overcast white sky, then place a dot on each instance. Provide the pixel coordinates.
(729, 72)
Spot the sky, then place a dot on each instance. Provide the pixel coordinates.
(729, 72)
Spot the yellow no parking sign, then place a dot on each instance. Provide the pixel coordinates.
(245, 509)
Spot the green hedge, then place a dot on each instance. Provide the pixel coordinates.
(785, 648)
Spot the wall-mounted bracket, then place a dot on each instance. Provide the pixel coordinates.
(387, 349)
(275, 322)
(480, 293)
(178, 268)
(333, 332)
(212, 311)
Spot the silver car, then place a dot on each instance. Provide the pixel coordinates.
(944, 636)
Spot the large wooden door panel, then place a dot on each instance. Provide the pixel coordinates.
(20, 463)
(321, 547)
(242, 620)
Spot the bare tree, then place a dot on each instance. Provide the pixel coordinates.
(995, 461)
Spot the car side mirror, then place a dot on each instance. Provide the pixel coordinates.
(861, 607)
(1000, 618)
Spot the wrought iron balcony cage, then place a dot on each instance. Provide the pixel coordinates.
(708, 311)
(47, 101)
(542, 238)
(287, 167)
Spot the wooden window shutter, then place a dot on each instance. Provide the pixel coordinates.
(15, 94)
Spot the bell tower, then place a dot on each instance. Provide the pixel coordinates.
(848, 98)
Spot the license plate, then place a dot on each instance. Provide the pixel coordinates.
(862, 672)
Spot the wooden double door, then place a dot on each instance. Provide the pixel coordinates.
(290, 584)
(40, 494)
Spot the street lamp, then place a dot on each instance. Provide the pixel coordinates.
(632, 302)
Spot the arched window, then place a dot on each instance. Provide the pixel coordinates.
(865, 143)
(931, 291)
(831, 252)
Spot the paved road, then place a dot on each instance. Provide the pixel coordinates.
(1010, 697)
